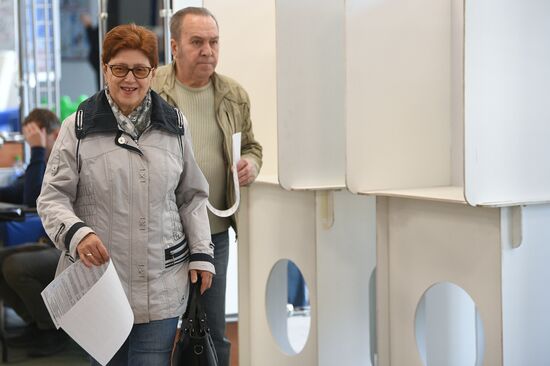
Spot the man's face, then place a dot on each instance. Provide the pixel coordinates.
(196, 52)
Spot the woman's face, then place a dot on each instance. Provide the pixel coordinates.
(128, 91)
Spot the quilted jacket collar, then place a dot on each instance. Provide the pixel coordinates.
(97, 116)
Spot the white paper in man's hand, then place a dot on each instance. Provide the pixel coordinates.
(236, 157)
(91, 307)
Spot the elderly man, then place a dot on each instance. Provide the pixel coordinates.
(216, 108)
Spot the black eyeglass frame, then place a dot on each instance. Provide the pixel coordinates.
(128, 69)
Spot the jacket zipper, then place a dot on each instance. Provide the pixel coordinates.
(136, 140)
(59, 231)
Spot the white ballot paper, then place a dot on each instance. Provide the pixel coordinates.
(236, 157)
(91, 307)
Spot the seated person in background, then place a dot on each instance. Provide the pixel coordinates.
(25, 270)
(40, 129)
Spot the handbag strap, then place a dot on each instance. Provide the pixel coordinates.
(194, 312)
(191, 310)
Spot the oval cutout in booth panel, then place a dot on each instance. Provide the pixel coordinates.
(448, 327)
(288, 307)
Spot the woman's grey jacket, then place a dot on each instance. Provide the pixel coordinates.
(145, 199)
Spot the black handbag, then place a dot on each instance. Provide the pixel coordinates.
(194, 346)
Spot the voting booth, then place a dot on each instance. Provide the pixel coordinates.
(330, 237)
(311, 158)
(314, 223)
(310, 94)
(444, 110)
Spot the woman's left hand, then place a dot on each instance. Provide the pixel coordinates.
(206, 278)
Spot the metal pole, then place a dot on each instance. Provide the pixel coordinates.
(21, 49)
(166, 13)
(57, 54)
(48, 53)
(34, 42)
(101, 30)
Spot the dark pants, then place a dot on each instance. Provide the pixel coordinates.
(297, 290)
(25, 271)
(213, 300)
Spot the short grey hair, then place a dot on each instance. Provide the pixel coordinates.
(177, 19)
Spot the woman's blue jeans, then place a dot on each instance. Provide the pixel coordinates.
(148, 344)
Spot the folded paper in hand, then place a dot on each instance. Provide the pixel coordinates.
(91, 307)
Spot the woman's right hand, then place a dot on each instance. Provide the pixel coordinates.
(91, 251)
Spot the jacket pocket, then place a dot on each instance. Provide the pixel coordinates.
(59, 232)
(176, 254)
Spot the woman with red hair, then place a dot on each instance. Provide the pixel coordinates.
(122, 184)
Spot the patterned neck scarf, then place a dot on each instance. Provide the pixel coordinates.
(136, 122)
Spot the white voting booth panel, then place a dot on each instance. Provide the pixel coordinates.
(247, 54)
(330, 236)
(525, 295)
(422, 243)
(279, 225)
(310, 93)
(346, 260)
(437, 88)
(507, 89)
(404, 95)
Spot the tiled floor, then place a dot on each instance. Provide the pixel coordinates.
(73, 356)
(298, 327)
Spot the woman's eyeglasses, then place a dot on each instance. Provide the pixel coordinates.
(140, 72)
